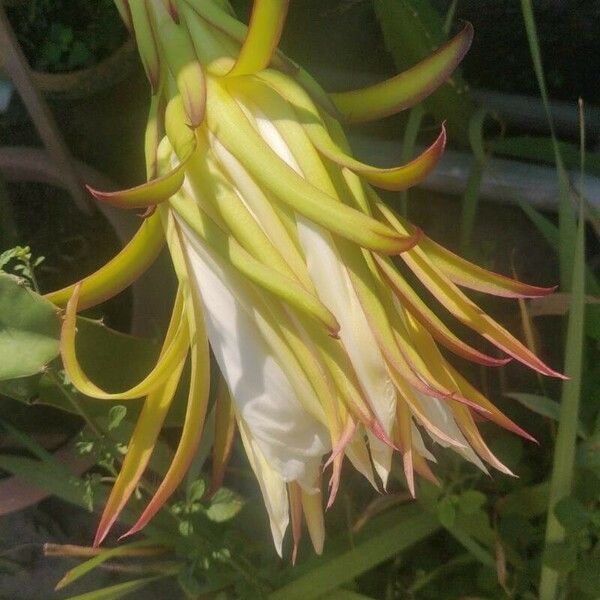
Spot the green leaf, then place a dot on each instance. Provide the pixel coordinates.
(571, 514)
(114, 592)
(564, 452)
(43, 475)
(29, 330)
(23, 389)
(587, 575)
(528, 502)
(543, 406)
(382, 539)
(470, 501)
(116, 414)
(196, 491)
(560, 556)
(567, 230)
(225, 505)
(446, 511)
(87, 566)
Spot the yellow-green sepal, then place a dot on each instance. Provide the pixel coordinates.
(118, 273)
(407, 88)
(181, 58)
(264, 31)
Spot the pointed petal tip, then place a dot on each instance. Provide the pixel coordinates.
(147, 194)
(101, 534)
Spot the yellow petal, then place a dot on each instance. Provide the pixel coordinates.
(410, 299)
(466, 274)
(139, 451)
(119, 272)
(147, 194)
(406, 89)
(174, 350)
(229, 124)
(461, 307)
(266, 24)
(223, 437)
(193, 424)
(396, 178)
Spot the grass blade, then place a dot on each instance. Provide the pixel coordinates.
(544, 406)
(328, 575)
(120, 590)
(567, 222)
(87, 566)
(564, 452)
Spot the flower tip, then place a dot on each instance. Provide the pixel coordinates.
(468, 32)
(101, 533)
(127, 534)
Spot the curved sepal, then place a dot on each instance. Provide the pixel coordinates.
(146, 42)
(406, 89)
(229, 124)
(466, 274)
(147, 194)
(396, 178)
(436, 327)
(125, 13)
(139, 451)
(195, 414)
(224, 436)
(462, 307)
(264, 31)
(174, 350)
(182, 61)
(120, 272)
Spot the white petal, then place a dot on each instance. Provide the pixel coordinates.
(272, 486)
(335, 290)
(419, 445)
(441, 416)
(291, 440)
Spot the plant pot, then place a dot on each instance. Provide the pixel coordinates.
(82, 83)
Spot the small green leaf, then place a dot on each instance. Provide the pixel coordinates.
(471, 501)
(186, 528)
(116, 414)
(29, 330)
(571, 514)
(225, 505)
(446, 511)
(560, 556)
(196, 491)
(587, 575)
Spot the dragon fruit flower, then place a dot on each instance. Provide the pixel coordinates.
(287, 263)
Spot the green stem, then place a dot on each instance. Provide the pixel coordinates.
(77, 405)
(566, 439)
